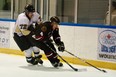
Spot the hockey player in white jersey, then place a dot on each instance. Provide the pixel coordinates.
(24, 20)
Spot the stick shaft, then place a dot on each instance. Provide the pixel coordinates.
(84, 61)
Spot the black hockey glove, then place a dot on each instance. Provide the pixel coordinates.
(61, 47)
(31, 28)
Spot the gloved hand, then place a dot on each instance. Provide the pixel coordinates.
(31, 27)
(61, 47)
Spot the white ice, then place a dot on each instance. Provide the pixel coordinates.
(16, 66)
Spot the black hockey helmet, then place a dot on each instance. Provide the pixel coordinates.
(29, 8)
(55, 19)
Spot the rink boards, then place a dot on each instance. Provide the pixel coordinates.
(94, 43)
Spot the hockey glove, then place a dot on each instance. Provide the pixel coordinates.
(31, 28)
(61, 47)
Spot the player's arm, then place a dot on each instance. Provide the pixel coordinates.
(56, 36)
(57, 39)
(37, 18)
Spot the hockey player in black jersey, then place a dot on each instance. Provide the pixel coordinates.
(41, 37)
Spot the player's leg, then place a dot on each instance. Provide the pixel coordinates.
(28, 55)
(51, 55)
(37, 54)
(35, 49)
(54, 58)
(24, 45)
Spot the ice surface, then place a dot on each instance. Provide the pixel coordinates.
(16, 66)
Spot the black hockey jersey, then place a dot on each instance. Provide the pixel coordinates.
(45, 30)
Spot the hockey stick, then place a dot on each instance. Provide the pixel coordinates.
(75, 69)
(85, 61)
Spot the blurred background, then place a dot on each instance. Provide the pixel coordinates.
(71, 11)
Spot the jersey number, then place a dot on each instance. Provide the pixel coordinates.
(23, 26)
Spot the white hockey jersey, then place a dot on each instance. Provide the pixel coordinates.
(22, 22)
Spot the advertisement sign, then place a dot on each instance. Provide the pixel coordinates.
(4, 34)
(107, 44)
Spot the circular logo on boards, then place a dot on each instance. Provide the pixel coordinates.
(107, 38)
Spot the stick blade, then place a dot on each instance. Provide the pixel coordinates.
(82, 70)
(104, 71)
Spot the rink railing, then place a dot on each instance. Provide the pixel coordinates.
(94, 43)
